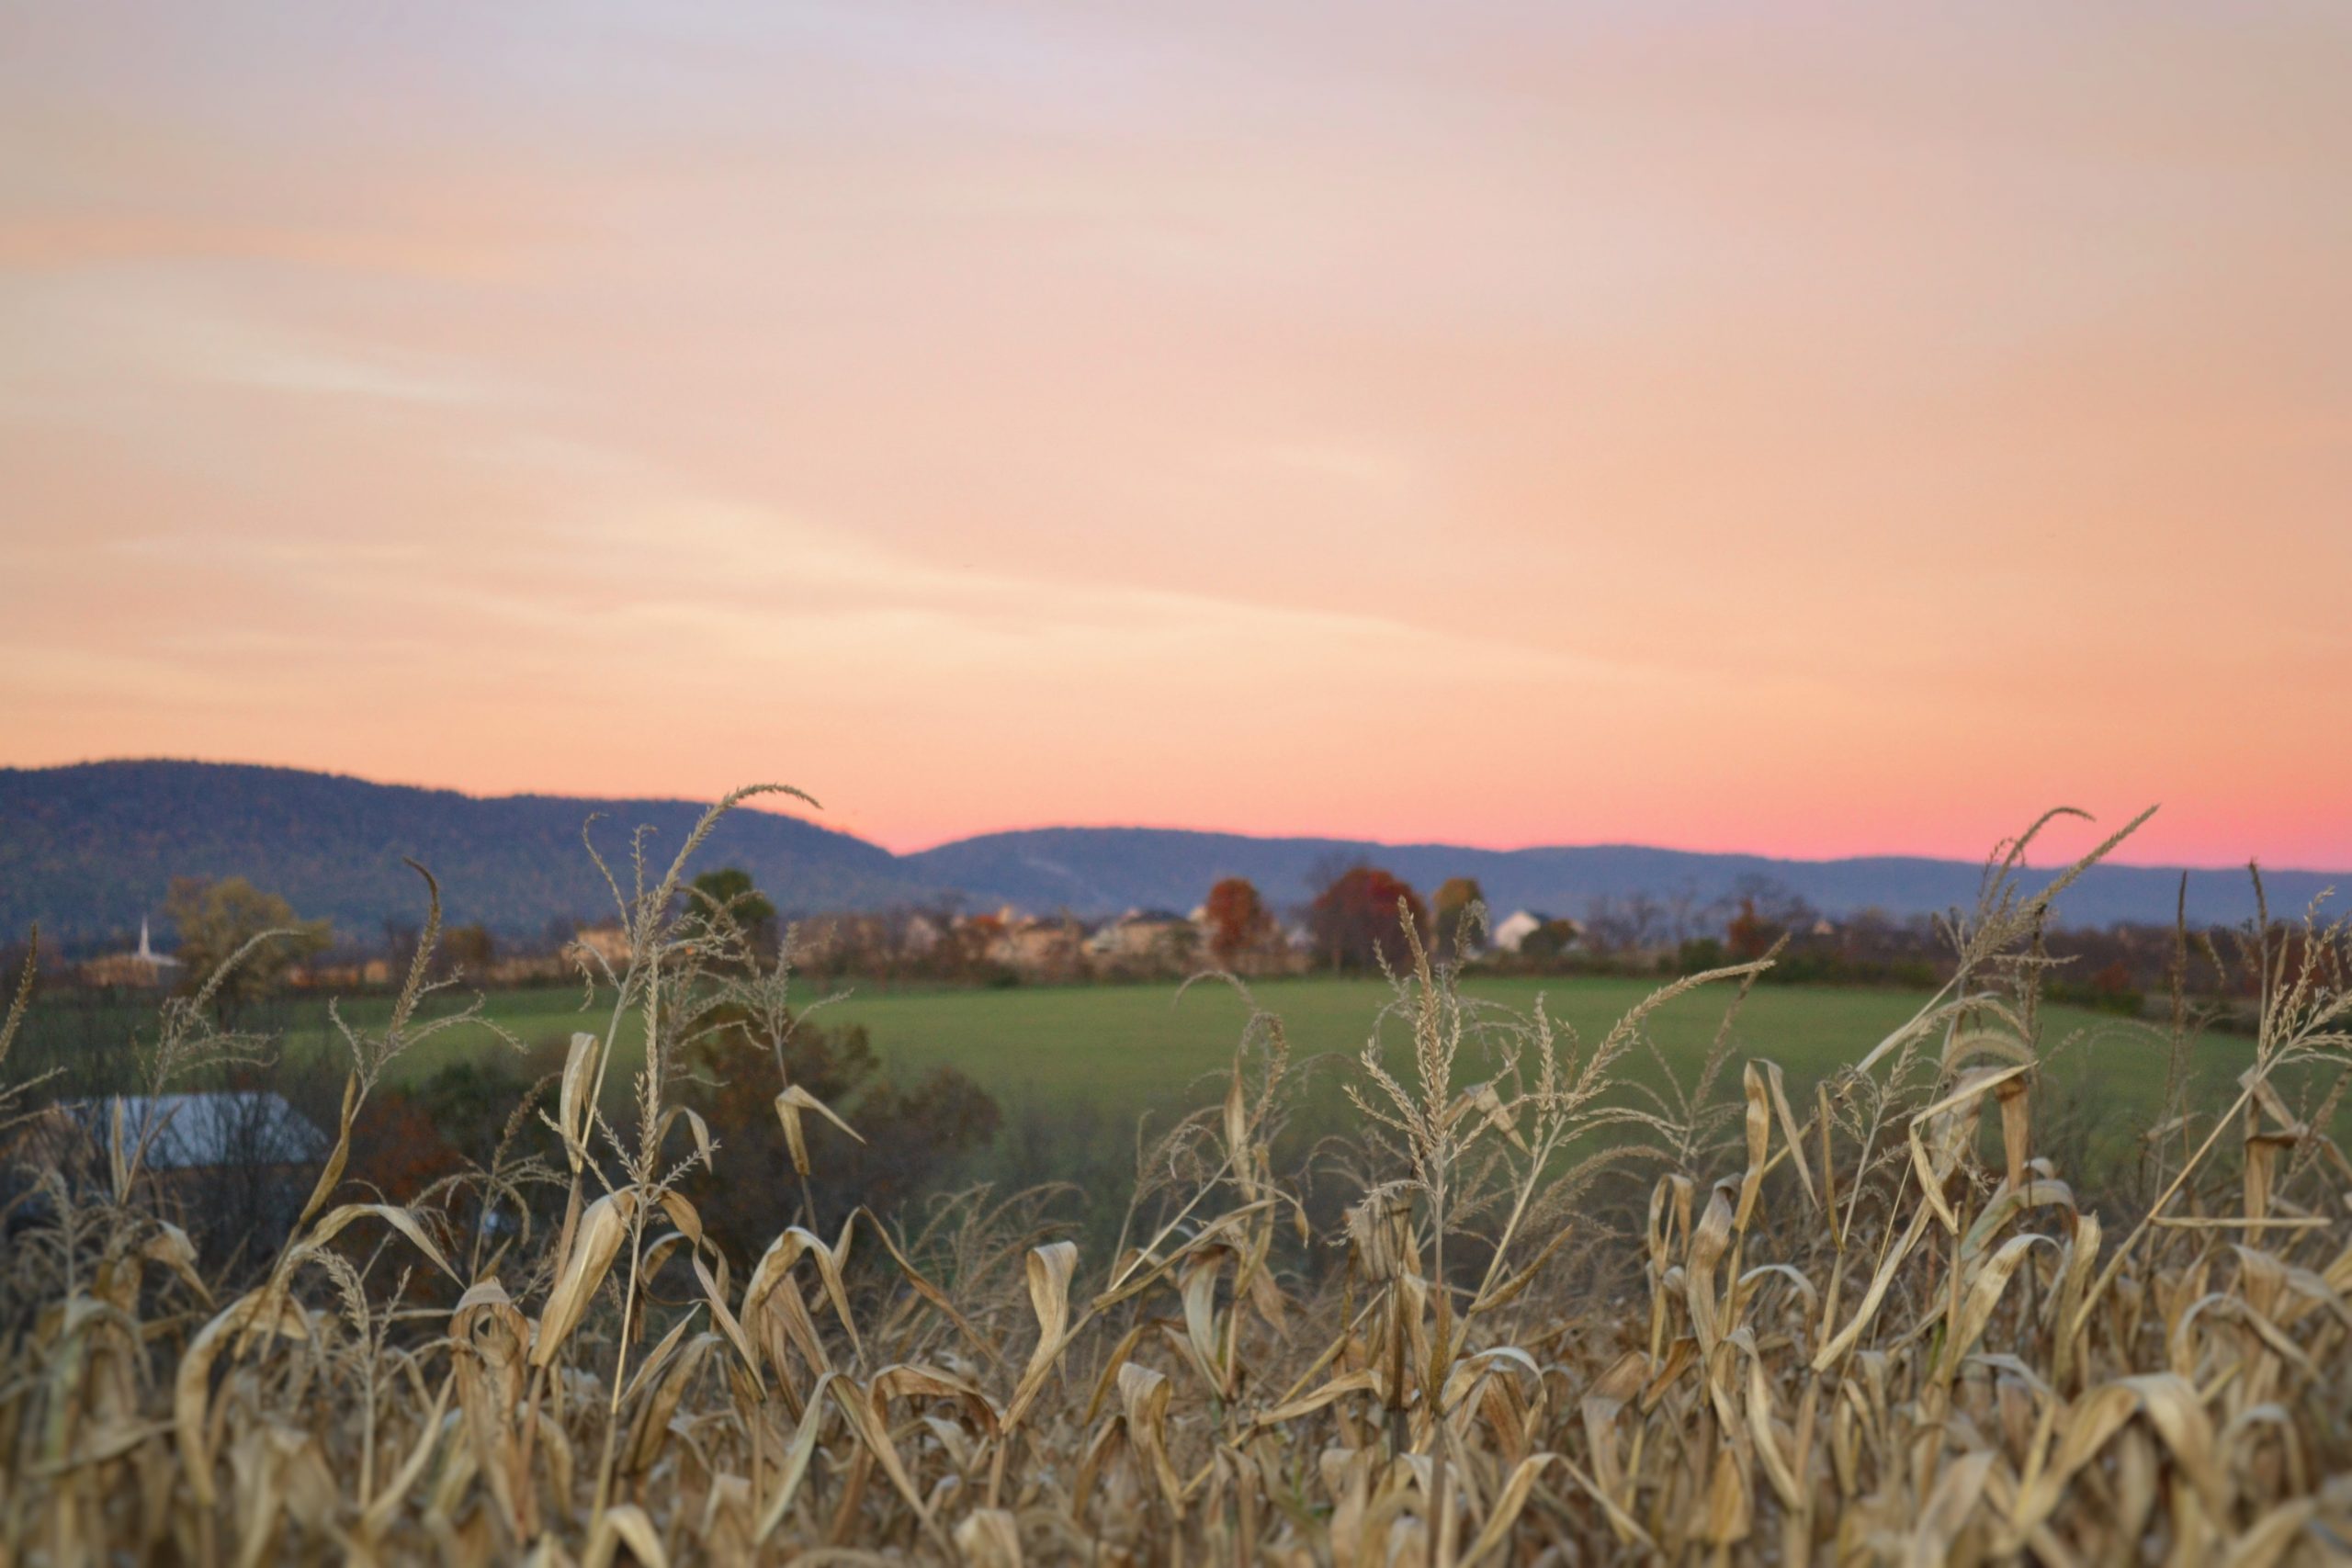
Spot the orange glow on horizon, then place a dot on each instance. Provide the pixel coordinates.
(1466, 427)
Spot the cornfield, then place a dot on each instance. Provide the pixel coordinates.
(1568, 1314)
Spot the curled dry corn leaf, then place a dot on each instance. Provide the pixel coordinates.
(1142, 1413)
(603, 1228)
(771, 1275)
(580, 1068)
(906, 1382)
(789, 1105)
(1985, 1291)
(628, 1525)
(989, 1538)
(1202, 1336)
(263, 1310)
(329, 1225)
(1788, 1126)
(1050, 1269)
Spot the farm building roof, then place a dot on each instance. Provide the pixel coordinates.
(192, 1132)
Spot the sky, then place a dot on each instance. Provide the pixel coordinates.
(1814, 430)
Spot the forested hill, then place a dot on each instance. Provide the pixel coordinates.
(89, 849)
(1092, 868)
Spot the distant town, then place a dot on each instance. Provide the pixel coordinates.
(1358, 924)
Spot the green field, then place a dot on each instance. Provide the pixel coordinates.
(1129, 1049)
(1121, 1050)
(1109, 1054)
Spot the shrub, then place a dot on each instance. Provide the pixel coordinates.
(907, 1140)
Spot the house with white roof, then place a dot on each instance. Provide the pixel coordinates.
(1515, 928)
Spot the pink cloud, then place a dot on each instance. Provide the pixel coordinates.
(1513, 429)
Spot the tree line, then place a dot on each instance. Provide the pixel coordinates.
(1352, 921)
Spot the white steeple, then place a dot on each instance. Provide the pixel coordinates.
(147, 954)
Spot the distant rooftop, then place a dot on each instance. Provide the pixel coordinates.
(194, 1132)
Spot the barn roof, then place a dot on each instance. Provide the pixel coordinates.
(192, 1132)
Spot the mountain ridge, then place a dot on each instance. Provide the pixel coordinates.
(1030, 866)
(89, 849)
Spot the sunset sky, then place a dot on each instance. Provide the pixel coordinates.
(1812, 429)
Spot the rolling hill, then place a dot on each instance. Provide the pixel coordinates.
(89, 849)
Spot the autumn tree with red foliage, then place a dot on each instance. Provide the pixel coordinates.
(1750, 935)
(1357, 921)
(1237, 919)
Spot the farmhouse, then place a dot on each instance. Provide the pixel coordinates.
(607, 941)
(1037, 946)
(920, 935)
(1144, 936)
(1514, 929)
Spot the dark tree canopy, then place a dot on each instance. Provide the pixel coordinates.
(729, 895)
(1455, 899)
(469, 949)
(1358, 920)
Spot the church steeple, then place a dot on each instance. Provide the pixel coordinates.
(147, 954)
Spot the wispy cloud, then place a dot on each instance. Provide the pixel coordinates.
(1522, 424)
(92, 334)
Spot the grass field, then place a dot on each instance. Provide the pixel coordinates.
(1108, 1054)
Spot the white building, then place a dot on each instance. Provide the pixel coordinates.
(1513, 930)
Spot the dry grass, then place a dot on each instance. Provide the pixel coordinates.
(1874, 1327)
